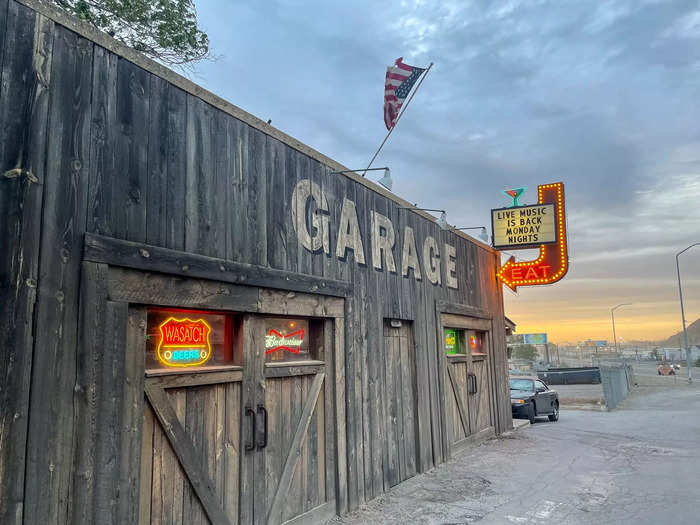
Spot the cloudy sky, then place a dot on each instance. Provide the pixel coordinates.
(603, 96)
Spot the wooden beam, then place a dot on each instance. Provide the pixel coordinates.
(281, 303)
(291, 370)
(340, 415)
(461, 321)
(196, 379)
(136, 286)
(275, 514)
(129, 254)
(132, 417)
(186, 455)
(447, 307)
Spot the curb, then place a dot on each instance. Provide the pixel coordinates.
(518, 424)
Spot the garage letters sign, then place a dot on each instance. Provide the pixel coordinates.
(311, 220)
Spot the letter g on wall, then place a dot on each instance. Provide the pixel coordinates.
(320, 238)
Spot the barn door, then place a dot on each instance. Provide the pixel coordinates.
(191, 446)
(240, 425)
(293, 466)
(469, 405)
(400, 401)
(458, 387)
(479, 372)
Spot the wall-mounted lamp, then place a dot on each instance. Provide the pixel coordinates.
(442, 220)
(483, 234)
(385, 181)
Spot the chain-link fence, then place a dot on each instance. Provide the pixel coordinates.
(617, 380)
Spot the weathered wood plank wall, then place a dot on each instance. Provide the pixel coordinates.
(92, 142)
(26, 43)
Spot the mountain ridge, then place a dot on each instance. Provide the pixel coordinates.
(676, 340)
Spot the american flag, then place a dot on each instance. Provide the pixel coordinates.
(399, 80)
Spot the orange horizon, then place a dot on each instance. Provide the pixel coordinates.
(567, 322)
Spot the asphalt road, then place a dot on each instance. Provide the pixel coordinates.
(638, 464)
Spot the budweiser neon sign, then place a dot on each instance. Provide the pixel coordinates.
(275, 341)
(184, 342)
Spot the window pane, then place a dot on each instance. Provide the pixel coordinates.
(477, 342)
(188, 340)
(287, 340)
(454, 341)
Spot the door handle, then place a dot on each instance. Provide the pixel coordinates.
(261, 408)
(250, 443)
(471, 385)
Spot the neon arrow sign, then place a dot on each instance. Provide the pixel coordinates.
(553, 262)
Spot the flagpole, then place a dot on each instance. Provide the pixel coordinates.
(403, 110)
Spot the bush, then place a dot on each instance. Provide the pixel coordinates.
(525, 352)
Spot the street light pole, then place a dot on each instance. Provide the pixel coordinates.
(680, 294)
(612, 314)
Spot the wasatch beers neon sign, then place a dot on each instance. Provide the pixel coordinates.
(184, 342)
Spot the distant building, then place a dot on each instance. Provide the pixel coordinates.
(676, 354)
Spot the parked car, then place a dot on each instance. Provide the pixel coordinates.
(530, 397)
(666, 370)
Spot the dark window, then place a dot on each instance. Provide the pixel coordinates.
(188, 340)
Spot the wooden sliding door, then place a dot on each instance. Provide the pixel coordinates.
(251, 440)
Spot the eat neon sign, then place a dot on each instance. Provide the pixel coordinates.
(553, 261)
(184, 342)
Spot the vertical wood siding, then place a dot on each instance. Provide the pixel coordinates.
(49, 453)
(26, 43)
(98, 144)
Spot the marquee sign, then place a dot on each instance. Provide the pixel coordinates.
(524, 226)
(553, 262)
(184, 342)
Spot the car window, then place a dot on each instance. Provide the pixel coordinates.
(521, 384)
(541, 385)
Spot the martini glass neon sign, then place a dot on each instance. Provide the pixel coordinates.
(515, 194)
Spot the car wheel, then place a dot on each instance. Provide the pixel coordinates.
(555, 416)
(531, 413)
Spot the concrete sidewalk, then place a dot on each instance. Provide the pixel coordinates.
(454, 493)
(635, 465)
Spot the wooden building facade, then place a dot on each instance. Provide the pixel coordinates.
(199, 321)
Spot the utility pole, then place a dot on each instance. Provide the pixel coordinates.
(612, 314)
(685, 332)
